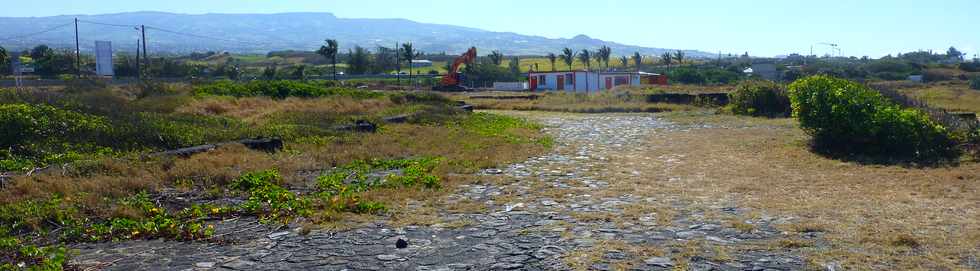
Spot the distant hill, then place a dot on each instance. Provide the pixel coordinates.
(260, 33)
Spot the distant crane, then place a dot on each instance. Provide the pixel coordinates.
(833, 47)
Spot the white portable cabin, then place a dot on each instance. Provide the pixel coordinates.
(581, 81)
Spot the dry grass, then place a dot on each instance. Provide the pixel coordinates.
(255, 108)
(466, 207)
(463, 150)
(678, 88)
(583, 259)
(576, 103)
(949, 95)
(875, 217)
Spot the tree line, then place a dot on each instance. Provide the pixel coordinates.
(49, 62)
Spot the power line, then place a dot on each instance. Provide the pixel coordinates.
(108, 24)
(37, 33)
(134, 27)
(198, 36)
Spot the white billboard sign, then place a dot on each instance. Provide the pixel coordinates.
(103, 58)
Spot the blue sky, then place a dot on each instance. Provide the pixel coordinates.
(765, 27)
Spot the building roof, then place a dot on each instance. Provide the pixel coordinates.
(605, 72)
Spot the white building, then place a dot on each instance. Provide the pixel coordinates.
(586, 81)
(421, 63)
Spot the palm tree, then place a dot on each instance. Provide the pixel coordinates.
(329, 51)
(604, 54)
(568, 56)
(586, 57)
(496, 57)
(409, 54)
(552, 58)
(679, 55)
(625, 60)
(638, 60)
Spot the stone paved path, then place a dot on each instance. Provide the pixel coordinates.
(546, 213)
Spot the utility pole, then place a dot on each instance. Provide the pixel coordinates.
(139, 69)
(78, 57)
(398, 66)
(146, 55)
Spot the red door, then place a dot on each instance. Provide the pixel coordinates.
(609, 83)
(561, 82)
(534, 83)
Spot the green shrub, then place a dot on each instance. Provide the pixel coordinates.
(843, 116)
(975, 83)
(760, 98)
(688, 76)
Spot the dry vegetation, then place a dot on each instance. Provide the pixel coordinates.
(609, 101)
(950, 95)
(96, 187)
(875, 217)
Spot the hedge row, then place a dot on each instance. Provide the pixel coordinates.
(279, 89)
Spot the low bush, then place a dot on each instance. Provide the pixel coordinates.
(844, 116)
(279, 89)
(970, 66)
(760, 98)
(975, 83)
(936, 75)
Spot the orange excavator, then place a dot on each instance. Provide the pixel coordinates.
(451, 81)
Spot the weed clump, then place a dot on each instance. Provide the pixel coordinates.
(268, 200)
(848, 118)
(975, 83)
(760, 98)
(340, 189)
(15, 255)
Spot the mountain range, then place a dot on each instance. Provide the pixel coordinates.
(261, 33)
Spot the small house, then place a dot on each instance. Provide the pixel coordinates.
(766, 71)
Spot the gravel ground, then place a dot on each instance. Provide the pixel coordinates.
(541, 216)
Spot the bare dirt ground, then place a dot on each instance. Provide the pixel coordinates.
(630, 192)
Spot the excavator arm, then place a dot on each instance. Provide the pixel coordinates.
(451, 79)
